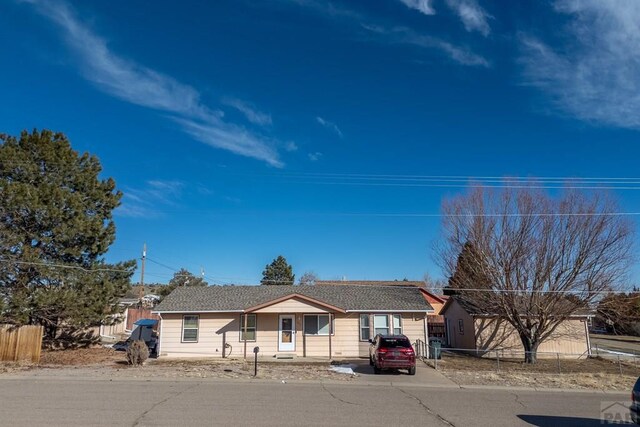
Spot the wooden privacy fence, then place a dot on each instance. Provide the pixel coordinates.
(135, 314)
(20, 343)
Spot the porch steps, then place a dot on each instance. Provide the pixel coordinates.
(285, 356)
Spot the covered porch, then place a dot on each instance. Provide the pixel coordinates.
(290, 327)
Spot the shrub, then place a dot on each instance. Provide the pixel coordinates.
(137, 353)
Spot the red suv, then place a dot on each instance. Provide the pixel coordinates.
(392, 352)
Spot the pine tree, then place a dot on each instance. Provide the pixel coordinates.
(55, 226)
(181, 278)
(279, 272)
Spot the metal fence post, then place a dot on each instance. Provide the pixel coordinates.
(619, 365)
(498, 360)
(558, 358)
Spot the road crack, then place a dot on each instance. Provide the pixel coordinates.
(426, 408)
(337, 398)
(518, 400)
(155, 405)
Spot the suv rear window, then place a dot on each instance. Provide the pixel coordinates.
(395, 343)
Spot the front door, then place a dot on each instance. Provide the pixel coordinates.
(287, 333)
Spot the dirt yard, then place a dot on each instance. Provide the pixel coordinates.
(109, 363)
(592, 373)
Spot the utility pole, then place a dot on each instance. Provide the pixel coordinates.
(144, 258)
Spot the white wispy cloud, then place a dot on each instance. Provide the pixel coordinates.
(472, 15)
(596, 75)
(249, 110)
(406, 35)
(143, 86)
(424, 6)
(403, 35)
(146, 200)
(291, 146)
(314, 157)
(330, 125)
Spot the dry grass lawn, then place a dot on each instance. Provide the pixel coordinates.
(104, 362)
(592, 373)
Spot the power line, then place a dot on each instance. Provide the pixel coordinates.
(72, 267)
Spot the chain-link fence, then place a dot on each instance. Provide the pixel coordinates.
(510, 360)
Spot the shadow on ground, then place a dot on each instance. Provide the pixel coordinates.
(362, 368)
(553, 421)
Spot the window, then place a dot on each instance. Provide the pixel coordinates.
(397, 324)
(365, 332)
(317, 324)
(460, 327)
(251, 327)
(381, 324)
(190, 328)
(395, 343)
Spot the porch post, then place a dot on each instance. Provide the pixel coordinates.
(245, 335)
(330, 331)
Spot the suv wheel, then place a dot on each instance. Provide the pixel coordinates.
(412, 370)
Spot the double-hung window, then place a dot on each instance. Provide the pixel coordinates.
(381, 324)
(317, 324)
(397, 324)
(190, 328)
(365, 332)
(250, 329)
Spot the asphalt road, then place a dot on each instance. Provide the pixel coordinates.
(73, 402)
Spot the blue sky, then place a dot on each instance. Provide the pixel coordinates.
(242, 130)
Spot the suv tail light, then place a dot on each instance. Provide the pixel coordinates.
(382, 350)
(407, 351)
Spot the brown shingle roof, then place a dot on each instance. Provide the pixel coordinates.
(347, 298)
(414, 283)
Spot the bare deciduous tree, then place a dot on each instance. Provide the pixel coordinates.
(531, 259)
(308, 278)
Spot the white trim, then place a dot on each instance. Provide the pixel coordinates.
(159, 338)
(331, 328)
(197, 328)
(284, 347)
(255, 327)
(393, 323)
(390, 311)
(197, 311)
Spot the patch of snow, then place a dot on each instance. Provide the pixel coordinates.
(343, 369)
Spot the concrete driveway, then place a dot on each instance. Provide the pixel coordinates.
(425, 375)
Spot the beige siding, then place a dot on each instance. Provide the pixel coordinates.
(345, 343)
(211, 328)
(569, 338)
(293, 305)
(460, 338)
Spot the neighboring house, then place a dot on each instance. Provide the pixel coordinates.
(287, 321)
(436, 321)
(472, 329)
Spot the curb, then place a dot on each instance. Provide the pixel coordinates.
(308, 382)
